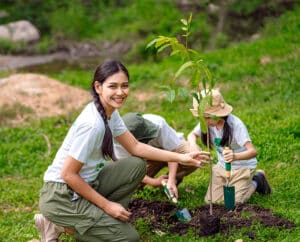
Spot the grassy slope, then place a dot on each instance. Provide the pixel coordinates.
(265, 97)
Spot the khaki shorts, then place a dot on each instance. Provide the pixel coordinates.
(241, 179)
(117, 181)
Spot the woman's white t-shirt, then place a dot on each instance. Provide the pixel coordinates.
(83, 142)
(239, 138)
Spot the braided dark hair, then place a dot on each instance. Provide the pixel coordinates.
(102, 72)
(226, 138)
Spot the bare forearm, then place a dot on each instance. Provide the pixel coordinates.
(85, 190)
(245, 155)
(151, 153)
(172, 170)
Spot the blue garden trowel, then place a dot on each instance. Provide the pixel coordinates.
(182, 215)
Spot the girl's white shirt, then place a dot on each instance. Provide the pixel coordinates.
(83, 142)
(239, 139)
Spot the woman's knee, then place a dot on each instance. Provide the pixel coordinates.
(138, 164)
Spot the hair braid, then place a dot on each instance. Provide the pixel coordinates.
(107, 147)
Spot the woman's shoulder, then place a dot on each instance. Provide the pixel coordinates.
(89, 117)
(234, 119)
(235, 122)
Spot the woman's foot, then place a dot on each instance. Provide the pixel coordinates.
(48, 230)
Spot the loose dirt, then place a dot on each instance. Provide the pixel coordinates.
(161, 217)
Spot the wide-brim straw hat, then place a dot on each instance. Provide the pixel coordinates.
(218, 108)
(141, 128)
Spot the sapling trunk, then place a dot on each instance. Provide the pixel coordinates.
(211, 165)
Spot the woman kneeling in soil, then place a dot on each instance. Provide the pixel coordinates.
(227, 130)
(84, 194)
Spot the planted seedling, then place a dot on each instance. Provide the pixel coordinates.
(199, 73)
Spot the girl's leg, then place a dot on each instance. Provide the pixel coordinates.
(242, 181)
(218, 181)
(118, 180)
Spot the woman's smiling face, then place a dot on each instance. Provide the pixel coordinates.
(113, 92)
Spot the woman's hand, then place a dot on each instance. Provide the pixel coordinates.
(116, 210)
(197, 159)
(194, 147)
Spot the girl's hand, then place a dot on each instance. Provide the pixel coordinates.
(197, 159)
(171, 184)
(228, 155)
(156, 182)
(116, 210)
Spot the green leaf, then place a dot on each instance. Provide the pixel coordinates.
(184, 21)
(183, 67)
(151, 43)
(195, 78)
(196, 96)
(182, 91)
(174, 52)
(201, 109)
(184, 29)
(165, 87)
(163, 47)
(190, 18)
(170, 95)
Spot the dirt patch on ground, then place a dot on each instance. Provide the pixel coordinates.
(162, 218)
(33, 96)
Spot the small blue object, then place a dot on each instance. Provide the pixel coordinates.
(184, 215)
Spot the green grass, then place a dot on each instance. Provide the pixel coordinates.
(266, 97)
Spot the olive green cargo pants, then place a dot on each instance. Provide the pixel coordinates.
(117, 181)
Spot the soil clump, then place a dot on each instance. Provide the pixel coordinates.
(161, 217)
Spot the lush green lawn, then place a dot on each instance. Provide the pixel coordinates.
(265, 96)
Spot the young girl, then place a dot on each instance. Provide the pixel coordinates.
(85, 195)
(225, 129)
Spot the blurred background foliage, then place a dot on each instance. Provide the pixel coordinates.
(216, 24)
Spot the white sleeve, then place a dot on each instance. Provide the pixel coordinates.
(241, 134)
(197, 130)
(168, 137)
(85, 139)
(116, 124)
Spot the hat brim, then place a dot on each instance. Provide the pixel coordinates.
(220, 113)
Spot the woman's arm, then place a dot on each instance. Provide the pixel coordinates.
(128, 141)
(249, 153)
(70, 174)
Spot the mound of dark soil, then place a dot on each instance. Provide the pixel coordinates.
(161, 216)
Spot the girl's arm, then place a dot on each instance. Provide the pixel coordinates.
(155, 182)
(249, 153)
(128, 141)
(171, 184)
(192, 139)
(70, 174)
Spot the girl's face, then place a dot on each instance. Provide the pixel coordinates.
(113, 91)
(214, 122)
(210, 122)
